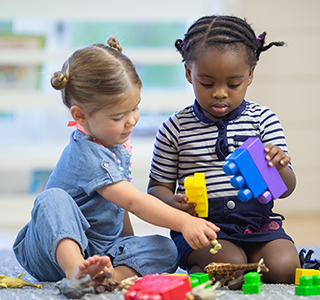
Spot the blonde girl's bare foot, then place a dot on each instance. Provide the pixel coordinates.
(93, 266)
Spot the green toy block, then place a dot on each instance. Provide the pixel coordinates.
(252, 283)
(198, 278)
(308, 286)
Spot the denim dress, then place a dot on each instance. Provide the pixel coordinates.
(70, 207)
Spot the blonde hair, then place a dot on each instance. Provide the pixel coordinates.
(96, 76)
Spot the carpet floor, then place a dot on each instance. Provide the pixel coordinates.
(10, 267)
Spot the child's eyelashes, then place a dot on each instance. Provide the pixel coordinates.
(234, 86)
(117, 119)
(207, 85)
(120, 118)
(210, 85)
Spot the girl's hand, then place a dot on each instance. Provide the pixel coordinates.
(198, 232)
(179, 201)
(276, 157)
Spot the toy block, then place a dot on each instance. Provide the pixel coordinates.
(308, 286)
(159, 287)
(305, 272)
(196, 191)
(246, 177)
(198, 278)
(252, 283)
(270, 175)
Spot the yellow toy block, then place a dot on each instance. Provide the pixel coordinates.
(305, 272)
(196, 191)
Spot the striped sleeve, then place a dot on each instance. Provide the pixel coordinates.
(164, 166)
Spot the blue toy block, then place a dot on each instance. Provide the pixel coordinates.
(246, 177)
(272, 178)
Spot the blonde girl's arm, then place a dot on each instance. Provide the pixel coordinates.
(196, 231)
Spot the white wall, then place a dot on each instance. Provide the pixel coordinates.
(286, 79)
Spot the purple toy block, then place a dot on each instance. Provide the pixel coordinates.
(271, 176)
(247, 176)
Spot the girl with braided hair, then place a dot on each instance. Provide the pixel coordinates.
(80, 223)
(220, 54)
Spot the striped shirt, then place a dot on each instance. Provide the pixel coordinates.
(189, 142)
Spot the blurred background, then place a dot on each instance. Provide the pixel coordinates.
(36, 37)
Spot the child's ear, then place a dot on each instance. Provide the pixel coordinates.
(78, 115)
(251, 75)
(187, 73)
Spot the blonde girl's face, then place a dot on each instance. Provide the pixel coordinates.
(220, 80)
(113, 125)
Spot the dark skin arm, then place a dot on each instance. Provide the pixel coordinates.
(166, 193)
(280, 160)
(274, 155)
(127, 226)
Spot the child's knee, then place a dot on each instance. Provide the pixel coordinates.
(282, 269)
(168, 252)
(54, 196)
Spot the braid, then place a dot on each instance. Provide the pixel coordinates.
(223, 32)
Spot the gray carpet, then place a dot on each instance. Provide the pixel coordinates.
(10, 267)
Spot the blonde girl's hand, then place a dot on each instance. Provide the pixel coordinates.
(198, 232)
(179, 201)
(276, 157)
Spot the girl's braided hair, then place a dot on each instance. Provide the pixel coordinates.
(223, 32)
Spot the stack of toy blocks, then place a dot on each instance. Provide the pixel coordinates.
(252, 283)
(252, 175)
(308, 286)
(196, 191)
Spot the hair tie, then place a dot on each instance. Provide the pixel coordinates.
(258, 38)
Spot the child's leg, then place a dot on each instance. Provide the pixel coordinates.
(73, 264)
(230, 253)
(280, 256)
(54, 217)
(143, 255)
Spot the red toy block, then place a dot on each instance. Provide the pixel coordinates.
(159, 287)
(270, 175)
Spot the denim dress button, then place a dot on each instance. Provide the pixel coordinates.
(231, 204)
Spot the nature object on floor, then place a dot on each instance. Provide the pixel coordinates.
(205, 291)
(16, 282)
(76, 288)
(227, 271)
(306, 262)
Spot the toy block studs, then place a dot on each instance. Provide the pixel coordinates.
(308, 286)
(196, 191)
(252, 283)
(252, 175)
